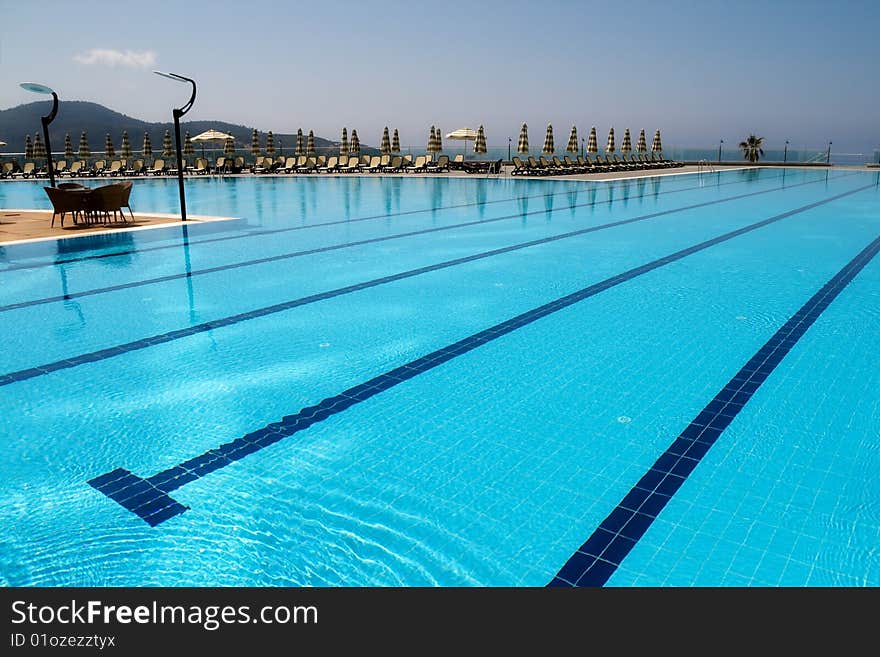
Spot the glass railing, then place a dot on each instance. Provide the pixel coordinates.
(452, 149)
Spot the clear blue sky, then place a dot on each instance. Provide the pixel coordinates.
(799, 70)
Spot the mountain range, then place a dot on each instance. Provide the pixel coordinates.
(75, 116)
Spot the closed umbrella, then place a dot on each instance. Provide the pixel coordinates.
(167, 147)
(255, 144)
(592, 142)
(125, 147)
(522, 145)
(28, 148)
(189, 148)
(656, 146)
(439, 143)
(39, 147)
(642, 144)
(147, 150)
(572, 146)
(355, 146)
(310, 145)
(385, 146)
(480, 141)
(395, 142)
(109, 151)
(609, 146)
(343, 145)
(432, 139)
(270, 143)
(84, 151)
(626, 144)
(229, 147)
(548, 141)
(68, 147)
(300, 144)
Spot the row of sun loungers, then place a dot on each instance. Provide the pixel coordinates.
(543, 166)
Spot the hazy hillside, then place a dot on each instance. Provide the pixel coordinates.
(74, 116)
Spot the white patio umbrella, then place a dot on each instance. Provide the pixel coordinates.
(463, 134)
(209, 136)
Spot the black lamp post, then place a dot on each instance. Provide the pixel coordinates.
(508, 149)
(828, 154)
(583, 148)
(46, 120)
(177, 113)
(719, 150)
(785, 153)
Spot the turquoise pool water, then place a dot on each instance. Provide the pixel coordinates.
(437, 381)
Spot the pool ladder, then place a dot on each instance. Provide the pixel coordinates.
(703, 165)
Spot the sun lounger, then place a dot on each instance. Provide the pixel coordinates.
(375, 165)
(27, 171)
(353, 166)
(158, 167)
(419, 165)
(442, 164)
(330, 165)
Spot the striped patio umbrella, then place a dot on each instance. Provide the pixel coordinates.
(167, 146)
(229, 147)
(395, 142)
(572, 146)
(255, 144)
(189, 148)
(270, 143)
(626, 144)
(522, 145)
(310, 145)
(147, 148)
(439, 140)
(125, 147)
(385, 146)
(656, 146)
(28, 148)
(480, 141)
(355, 147)
(109, 151)
(84, 151)
(642, 144)
(548, 141)
(432, 140)
(300, 144)
(609, 145)
(592, 142)
(343, 145)
(39, 146)
(68, 147)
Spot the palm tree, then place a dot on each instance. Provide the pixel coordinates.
(752, 148)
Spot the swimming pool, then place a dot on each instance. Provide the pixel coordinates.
(370, 381)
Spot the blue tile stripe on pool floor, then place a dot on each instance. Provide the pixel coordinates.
(148, 498)
(595, 561)
(109, 352)
(373, 240)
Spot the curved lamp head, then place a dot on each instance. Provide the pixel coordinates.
(36, 88)
(180, 78)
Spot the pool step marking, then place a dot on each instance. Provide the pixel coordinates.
(143, 343)
(195, 468)
(596, 560)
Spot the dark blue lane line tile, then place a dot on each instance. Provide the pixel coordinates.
(663, 480)
(143, 343)
(259, 233)
(347, 245)
(631, 518)
(153, 505)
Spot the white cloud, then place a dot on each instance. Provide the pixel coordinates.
(128, 58)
